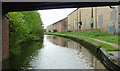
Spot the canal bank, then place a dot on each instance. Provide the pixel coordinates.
(99, 52)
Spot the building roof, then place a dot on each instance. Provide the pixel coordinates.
(59, 21)
(73, 11)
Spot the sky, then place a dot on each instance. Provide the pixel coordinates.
(51, 16)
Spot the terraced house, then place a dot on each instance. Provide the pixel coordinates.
(106, 18)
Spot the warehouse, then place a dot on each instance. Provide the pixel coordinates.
(106, 18)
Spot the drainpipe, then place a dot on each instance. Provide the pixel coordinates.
(80, 20)
(77, 19)
(96, 17)
(92, 19)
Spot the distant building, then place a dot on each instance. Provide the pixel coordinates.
(49, 28)
(61, 25)
(106, 18)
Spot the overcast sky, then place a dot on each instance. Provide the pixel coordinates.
(53, 15)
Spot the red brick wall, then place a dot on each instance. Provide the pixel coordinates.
(61, 26)
(54, 27)
(64, 24)
(5, 37)
(59, 41)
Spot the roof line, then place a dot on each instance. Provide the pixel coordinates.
(59, 20)
(73, 11)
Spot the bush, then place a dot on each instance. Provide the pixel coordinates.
(54, 30)
(69, 31)
(23, 26)
(49, 31)
(111, 54)
(91, 25)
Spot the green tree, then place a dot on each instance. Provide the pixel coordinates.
(25, 25)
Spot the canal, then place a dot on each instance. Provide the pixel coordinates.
(54, 53)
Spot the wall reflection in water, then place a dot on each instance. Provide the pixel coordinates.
(80, 50)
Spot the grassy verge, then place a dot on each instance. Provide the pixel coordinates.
(97, 34)
(85, 34)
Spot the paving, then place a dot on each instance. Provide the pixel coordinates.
(112, 44)
(116, 54)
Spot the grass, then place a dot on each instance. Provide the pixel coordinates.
(66, 39)
(111, 54)
(97, 34)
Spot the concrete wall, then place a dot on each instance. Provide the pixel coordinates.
(105, 18)
(117, 25)
(86, 18)
(81, 14)
(71, 21)
(5, 37)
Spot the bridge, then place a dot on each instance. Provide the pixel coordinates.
(29, 6)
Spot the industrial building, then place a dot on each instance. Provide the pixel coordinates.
(106, 18)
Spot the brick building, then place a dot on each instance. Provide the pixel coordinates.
(61, 25)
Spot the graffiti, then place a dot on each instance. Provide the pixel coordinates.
(111, 28)
(117, 27)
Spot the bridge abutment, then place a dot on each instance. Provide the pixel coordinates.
(5, 37)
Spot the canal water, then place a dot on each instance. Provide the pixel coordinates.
(54, 53)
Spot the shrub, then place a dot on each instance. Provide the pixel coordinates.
(69, 31)
(49, 31)
(111, 54)
(54, 30)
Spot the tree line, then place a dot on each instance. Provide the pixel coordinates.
(23, 26)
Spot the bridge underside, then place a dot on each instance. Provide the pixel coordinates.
(27, 6)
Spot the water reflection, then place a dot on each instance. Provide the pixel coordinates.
(57, 40)
(81, 51)
(22, 60)
(54, 53)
